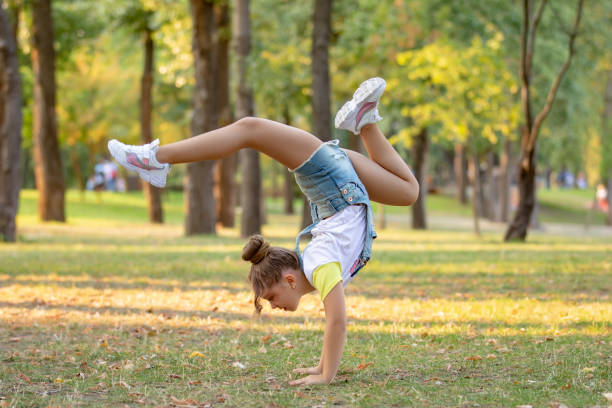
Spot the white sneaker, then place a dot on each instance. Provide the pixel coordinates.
(142, 160)
(362, 109)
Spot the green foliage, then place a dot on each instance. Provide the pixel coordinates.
(280, 62)
(463, 94)
(99, 67)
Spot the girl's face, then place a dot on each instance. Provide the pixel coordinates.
(283, 294)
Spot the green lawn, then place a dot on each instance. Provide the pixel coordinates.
(107, 310)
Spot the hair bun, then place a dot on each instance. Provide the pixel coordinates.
(256, 249)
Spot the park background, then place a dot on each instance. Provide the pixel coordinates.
(139, 297)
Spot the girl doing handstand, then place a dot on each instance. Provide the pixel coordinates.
(339, 184)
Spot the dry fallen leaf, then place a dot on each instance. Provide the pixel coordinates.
(491, 356)
(263, 349)
(185, 402)
(473, 358)
(608, 396)
(524, 406)
(24, 378)
(266, 338)
(364, 365)
(196, 354)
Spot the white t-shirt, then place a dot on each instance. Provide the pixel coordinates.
(339, 238)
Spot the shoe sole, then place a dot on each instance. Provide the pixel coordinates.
(115, 150)
(371, 87)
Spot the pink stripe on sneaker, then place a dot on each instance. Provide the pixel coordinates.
(133, 159)
(368, 106)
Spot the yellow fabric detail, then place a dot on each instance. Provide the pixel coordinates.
(325, 277)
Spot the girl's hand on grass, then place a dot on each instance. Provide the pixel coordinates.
(310, 370)
(310, 380)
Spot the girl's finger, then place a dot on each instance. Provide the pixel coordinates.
(298, 382)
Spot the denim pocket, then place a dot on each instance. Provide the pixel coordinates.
(352, 193)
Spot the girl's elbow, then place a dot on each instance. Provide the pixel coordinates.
(411, 193)
(338, 323)
(414, 193)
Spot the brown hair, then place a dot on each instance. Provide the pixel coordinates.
(268, 265)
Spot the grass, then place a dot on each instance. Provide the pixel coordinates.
(107, 310)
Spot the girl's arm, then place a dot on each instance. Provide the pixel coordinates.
(334, 339)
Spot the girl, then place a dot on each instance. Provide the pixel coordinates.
(339, 184)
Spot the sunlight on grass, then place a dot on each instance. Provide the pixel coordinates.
(109, 310)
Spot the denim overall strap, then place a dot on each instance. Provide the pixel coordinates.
(330, 183)
(297, 242)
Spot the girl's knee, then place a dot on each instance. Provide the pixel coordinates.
(249, 122)
(248, 129)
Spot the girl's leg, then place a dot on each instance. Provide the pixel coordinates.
(385, 175)
(285, 144)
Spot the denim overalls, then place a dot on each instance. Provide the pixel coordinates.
(331, 184)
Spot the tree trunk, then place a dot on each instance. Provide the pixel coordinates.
(49, 171)
(250, 195)
(504, 180)
(288, 176)
(607, 144)
(355, 143)
(517, 230)
(288, 193)
(420, 152)
(382, 217)
(10, 130)
(153, 194)
(200, 202)
(491, 194)
(226, 167)
(14, 10)
(321, 104)
(76, 165)
(460, 167)
(476, 191)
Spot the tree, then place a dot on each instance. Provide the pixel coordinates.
(200, 202)
(49, 170)
(142, 21)
(459, 167)
(226, 167)
(607, 148)
(250, 196)
(517, 230)
(281, 50)
(321, 104)
(420, 149)
(153, 194)
(460, 95)
(10, 129)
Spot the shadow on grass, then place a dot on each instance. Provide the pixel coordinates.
(357, 325)
(418, 285)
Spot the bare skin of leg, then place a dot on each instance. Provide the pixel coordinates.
(288, 145)
(386, 177)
